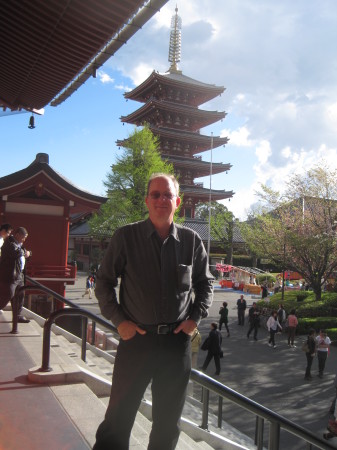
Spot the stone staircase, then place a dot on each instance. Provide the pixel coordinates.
(83, 389)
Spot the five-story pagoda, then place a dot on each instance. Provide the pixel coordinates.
(171, 109)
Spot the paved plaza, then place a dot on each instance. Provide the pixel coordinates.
(271, 377)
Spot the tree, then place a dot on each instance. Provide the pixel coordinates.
(296, 229)
(222, 222)
(127, 183)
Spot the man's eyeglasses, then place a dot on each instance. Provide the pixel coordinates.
(166, 195)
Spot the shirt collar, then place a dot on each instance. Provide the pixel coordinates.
(150, 229)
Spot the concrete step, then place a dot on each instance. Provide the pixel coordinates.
(97, 370)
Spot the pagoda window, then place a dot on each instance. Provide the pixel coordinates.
(168, 119)
(187, 122)
(177, 121)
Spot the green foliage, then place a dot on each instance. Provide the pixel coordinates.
(221, 225)
(127, 183)
(310, 312)
(265, 277)
(296, 229)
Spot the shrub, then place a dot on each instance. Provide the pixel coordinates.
(263, 277)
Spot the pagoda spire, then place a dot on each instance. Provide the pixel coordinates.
(175, 43)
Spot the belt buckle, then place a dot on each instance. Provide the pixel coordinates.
(163, 329)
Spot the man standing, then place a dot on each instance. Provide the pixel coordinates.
(159, 264)
(12, 264)
(242, 305)
(5, 232)
(254, 320)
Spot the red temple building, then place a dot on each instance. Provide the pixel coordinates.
(171, 109)
(41, 200)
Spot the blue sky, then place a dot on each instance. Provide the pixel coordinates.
(277, 61)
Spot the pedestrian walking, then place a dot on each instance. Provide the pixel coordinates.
(224, 317)
(273, 326)
(310, 353)
(292, 324)
(322, 345)
(88, 287)
(241, 305)
(214, 348)
(254, 320)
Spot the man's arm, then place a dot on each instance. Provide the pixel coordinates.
(202, 281)
(107, 280)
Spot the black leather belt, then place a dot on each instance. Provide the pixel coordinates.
(162, 328)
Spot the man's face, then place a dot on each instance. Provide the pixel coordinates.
(20, 238)
(162, 200)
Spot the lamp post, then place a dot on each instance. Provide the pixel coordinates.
(284, 263)
(210, 202)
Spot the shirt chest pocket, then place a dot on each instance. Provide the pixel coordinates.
(184, 277)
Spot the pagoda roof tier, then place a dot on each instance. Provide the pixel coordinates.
(160, 113)
(166, 85)
(198, 142)
(202, 194)
(196, 165)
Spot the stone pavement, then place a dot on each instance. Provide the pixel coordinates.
(271, 377)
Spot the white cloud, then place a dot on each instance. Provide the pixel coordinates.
(239, 137)
(104, 77)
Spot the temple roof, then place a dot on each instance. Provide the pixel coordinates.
(39, 180)
(46, 44)
(196, 164)
(198, 118)
(202, 92)
(198, 142)
(203, 194)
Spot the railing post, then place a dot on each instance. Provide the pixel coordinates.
(220, 411)
(205, 406)
(84, 338)
(274, 436)
(259, 426)
(93, 333)
(46, 345)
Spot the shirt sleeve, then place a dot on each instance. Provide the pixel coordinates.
(202, 281)
(107, 280)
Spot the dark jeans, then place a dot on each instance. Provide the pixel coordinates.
(272, 336)
(309, 364)
(164, 359)
(321, 356)
(7, 293)
(226, 325)
(253, 326)
(241, 316)
(291, 335)
(208, 359)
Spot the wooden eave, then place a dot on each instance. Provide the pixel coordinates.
(201, 118)
(196, 165)
(201, 92)
(51, 188)
(47, 46)
(203, 194)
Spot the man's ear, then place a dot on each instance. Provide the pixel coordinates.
(178, 201)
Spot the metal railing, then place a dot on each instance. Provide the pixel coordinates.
(208, 384)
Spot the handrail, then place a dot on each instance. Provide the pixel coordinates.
(259, 410)
(208, 384)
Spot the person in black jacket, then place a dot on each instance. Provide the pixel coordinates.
(310, 353)
(254, 320)
(12, 264)
(214, 348)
